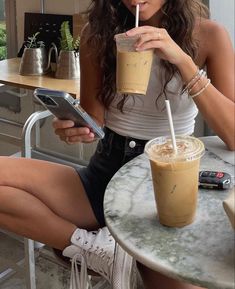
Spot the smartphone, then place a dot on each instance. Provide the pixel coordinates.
(64, 106)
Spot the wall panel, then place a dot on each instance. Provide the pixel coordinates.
(50, 6)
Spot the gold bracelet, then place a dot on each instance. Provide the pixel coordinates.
(202, 89)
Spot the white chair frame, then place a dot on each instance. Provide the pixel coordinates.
(29, 245)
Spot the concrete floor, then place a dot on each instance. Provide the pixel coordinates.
(49, 273)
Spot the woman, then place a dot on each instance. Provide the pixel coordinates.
(69, 201)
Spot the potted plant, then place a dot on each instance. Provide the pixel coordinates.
(34, 58)
(68, 61)
(32, 42)
(67, 42)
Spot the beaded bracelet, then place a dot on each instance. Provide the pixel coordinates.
(202, 89)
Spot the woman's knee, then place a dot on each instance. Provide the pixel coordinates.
(10, 170)
(5, 172)
(19, 172)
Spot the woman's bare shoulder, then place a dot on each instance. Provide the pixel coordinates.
(218, 55)
(212, 37)
(212, 32)
(212, 29)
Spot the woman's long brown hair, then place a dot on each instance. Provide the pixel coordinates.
(109, 17)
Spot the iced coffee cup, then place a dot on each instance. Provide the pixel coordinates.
(175, 178)
(133, 68)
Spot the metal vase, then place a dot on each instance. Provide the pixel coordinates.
(68, 65)
(33, 62)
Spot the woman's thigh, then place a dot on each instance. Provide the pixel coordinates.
(57, 186)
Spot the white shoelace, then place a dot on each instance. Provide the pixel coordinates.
(79, 280)
(90, 254)
(100, 262)
(97, 260)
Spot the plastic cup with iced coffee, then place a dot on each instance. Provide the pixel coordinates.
(133, 68)
(175, 178)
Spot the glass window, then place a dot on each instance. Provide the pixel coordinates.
(3, 45)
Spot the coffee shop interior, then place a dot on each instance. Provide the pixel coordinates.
(26, 130)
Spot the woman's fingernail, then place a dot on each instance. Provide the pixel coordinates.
(70, 123)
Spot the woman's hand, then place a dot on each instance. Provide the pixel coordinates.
(67, 132)
(158, 39)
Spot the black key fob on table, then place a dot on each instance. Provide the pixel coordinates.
(214, 180)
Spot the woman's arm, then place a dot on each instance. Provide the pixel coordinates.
(90, 82)
(91, 79)
(216, 102)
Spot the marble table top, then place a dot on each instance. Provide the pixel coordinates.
(201, 253)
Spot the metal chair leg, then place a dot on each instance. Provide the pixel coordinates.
(27, 129)
(26, 152)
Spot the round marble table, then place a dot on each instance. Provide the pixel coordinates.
(201, 253)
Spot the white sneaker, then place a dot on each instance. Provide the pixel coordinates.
(98, 251)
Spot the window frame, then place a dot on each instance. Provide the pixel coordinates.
(10, 12)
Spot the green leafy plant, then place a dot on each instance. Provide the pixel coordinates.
(32, 42)
(3, 44)
(67, 42)
(3, 52)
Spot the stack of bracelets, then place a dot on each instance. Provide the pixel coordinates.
(199, 77)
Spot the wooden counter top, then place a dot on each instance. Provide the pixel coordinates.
(9, 74)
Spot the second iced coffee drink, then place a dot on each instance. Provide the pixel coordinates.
(175, 178)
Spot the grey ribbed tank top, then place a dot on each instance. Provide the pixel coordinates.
(144, 119)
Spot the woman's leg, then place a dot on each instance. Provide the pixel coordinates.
(43, 201)
(155, 280)
(46, 202)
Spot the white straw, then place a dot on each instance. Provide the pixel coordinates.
(137, 11)
(168, 109)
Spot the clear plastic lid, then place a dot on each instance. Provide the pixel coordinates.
(125, 43)
(161, 149)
